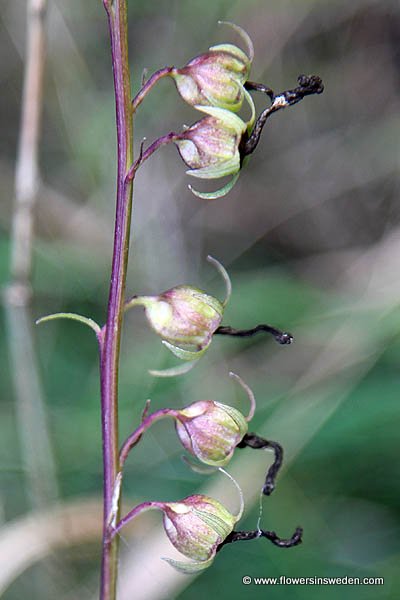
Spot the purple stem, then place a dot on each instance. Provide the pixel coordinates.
(110, 347)
(138, 99)
(135, 436)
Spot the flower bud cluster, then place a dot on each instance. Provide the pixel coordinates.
(213, 83)
(186, 317)
(210, 432)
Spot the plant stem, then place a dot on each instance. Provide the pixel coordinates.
(110, 348)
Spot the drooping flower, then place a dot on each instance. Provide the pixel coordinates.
(210, 431)
(210, 147)
(186, 318)
(195, 527)
(217, 77)
(184, 315)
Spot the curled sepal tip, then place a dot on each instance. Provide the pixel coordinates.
(249, 393)
(186, 354)
(73, 317)
(227, 280)
(173, 371)
(201, 469)
(188, 568)
(244, 36)
(239, 490)
(250, 102)
(220, 193)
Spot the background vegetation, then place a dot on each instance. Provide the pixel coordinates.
(311, 238)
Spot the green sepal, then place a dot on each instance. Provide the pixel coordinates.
(218, 193)
(186, 354)
(187, 568)
(219, 169)
(245, 37)
(224, 274)
(250, 102)
(228, 118)
(173, 371)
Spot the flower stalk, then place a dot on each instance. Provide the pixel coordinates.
(148, 85)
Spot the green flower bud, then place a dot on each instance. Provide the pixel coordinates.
(210, 147)
(216, 77)
(196, 526)
(185, 317)
(210, 431)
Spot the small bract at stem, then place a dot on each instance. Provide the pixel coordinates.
(73, 317)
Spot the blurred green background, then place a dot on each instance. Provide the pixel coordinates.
(311, 238)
